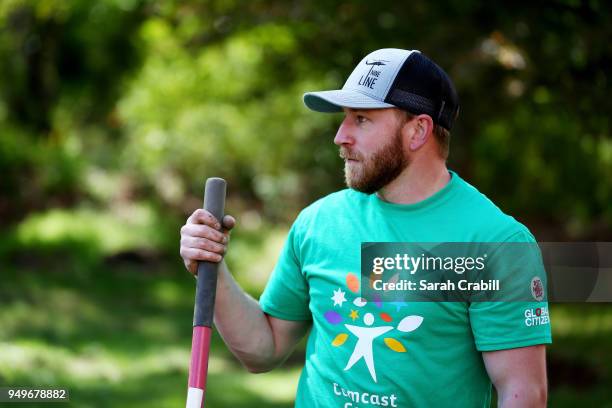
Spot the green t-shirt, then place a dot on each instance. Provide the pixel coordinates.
(355, 355)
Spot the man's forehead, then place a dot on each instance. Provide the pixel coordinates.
(372, 111)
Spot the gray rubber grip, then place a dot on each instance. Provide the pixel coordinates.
(214, 203)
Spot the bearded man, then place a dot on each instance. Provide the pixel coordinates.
(399, 107)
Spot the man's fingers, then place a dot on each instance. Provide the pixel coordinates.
(201, 216)
(195, 254)
(202, 243)
(202, 231)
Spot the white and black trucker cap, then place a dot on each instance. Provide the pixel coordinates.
(391, 77)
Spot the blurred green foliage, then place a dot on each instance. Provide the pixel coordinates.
(113, 113)
(150, 97)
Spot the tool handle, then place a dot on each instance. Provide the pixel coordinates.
(214, 203)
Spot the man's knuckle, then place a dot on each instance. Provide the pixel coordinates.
(202, 243)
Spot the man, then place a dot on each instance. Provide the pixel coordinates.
(398, 108)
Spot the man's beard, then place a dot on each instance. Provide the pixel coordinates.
(371, 174)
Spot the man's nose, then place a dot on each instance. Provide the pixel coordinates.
(343, 136)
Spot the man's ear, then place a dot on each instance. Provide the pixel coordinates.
(422, 128)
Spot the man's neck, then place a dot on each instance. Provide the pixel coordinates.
(417, 182)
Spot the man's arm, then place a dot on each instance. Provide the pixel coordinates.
(519, 376)
(261, 342)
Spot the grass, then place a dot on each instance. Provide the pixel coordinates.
(120, 339)
(82, 306)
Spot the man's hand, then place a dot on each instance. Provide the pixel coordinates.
(203, 238)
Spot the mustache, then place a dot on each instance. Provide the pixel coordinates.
(346, 154)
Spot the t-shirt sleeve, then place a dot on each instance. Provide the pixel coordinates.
(286, 294)
(514, 323)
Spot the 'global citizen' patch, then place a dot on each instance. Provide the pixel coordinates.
(537, 316)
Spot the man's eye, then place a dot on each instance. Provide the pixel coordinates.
(361, 119)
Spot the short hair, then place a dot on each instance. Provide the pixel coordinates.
(441, 134)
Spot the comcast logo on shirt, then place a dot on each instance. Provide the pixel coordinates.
(366, 328)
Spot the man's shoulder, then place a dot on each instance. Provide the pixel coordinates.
(488, 219)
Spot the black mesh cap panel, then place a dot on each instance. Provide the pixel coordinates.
(421, 86)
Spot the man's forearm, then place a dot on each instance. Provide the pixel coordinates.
(242, 324)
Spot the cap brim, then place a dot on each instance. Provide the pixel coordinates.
(334, 101)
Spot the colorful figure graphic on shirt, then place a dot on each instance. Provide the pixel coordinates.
(364, 348)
